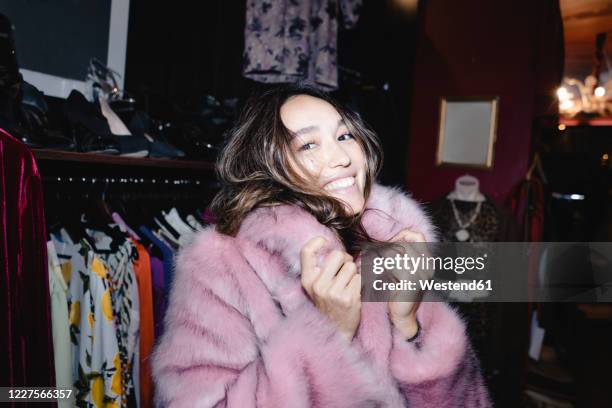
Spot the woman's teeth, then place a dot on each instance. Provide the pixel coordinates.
(340, 183)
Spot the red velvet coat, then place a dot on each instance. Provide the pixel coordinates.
(26, 344)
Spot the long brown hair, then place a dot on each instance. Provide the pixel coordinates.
(254, 168)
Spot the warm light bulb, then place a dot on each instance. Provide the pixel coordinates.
(561, 126)
(566, 105)
(600, 91)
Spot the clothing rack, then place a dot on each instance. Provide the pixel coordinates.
(150, 180)
(151, 190)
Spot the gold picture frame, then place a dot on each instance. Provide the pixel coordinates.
(467, 132)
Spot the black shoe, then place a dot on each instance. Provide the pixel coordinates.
(88, 142)
(93, 133)
(34, 122)
(153, 131)
(89, 127)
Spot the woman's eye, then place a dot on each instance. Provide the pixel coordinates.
(346, 136)
(307, 146)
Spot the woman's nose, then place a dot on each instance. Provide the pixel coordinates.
(339, 156)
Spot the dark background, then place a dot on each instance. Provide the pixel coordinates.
(76, 30)
(195, 48)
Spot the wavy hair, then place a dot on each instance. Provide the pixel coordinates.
(254, 168)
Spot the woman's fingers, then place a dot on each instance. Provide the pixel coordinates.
(308, 260)
(415, 240)
(344, 276)
(331, 265)
(407, 235)
(354, 286)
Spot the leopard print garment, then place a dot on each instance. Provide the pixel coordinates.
(484, 229)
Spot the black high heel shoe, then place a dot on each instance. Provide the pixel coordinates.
(90, 128)
(105, 89)
(93, 132)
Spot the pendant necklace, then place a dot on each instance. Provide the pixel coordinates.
(462, 233)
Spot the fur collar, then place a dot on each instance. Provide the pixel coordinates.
(281, 232)
(284, 229)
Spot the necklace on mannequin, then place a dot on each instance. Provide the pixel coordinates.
(462, 234)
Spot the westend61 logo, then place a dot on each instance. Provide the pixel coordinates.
(411, 264)
(488, 271)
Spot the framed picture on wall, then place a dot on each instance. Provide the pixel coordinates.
(467, 133)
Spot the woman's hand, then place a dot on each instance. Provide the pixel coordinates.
(334, 287)
(403, 314)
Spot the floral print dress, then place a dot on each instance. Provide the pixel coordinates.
(291, 40)
(126, 312)
(95, 351)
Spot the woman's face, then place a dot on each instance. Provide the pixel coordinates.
(328, 154)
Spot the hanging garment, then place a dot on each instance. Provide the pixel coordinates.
(168, 257)
(494, 222)
(26, 341)
(165, 237)
(124, 227)
(186, 233)
(96, 362)
(288, 40)
(126, 313)
(208, 216)
(527, 204)
(159, 294)
(61, 327)
(142, 268)
(194, 223)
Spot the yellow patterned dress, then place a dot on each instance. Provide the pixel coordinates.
(126, 312)
(96, 360)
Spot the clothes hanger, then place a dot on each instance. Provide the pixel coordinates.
(536, 165)
(97, 218)
(174, 219)
(467, 188)
(59, 225)
(194, 223)
(68, 218)
(174, 216)
(119, 210)
(134, 213)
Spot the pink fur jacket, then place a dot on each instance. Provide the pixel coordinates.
(240, 331)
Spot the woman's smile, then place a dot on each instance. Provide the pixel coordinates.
(340, 184)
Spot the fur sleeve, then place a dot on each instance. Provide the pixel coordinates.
(439, 367)
(210, 354)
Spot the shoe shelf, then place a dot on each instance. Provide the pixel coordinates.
(101, 159)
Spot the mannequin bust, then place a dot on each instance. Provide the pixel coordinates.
(467, 188)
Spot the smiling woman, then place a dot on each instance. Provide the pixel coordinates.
(296, 145)
(265, 309)
(326, 152)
